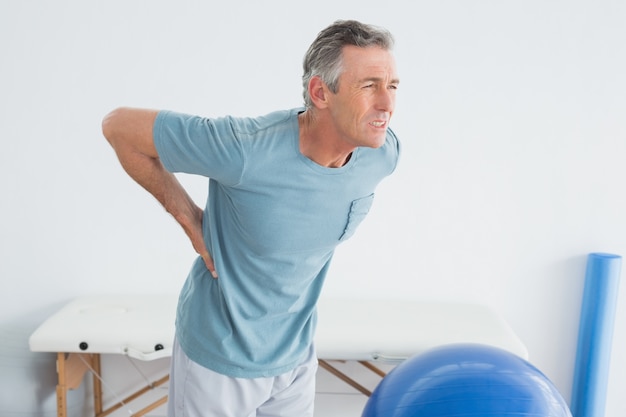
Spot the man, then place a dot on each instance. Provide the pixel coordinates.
(284, 190)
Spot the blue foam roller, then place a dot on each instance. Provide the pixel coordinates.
(595, 335)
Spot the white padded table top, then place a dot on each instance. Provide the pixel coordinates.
(143, 327)
(397, 329)
(140, 326)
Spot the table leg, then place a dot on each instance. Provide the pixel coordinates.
(71, 370)
(61, 387)
(97, 384)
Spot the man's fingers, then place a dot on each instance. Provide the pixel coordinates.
(208, 261)
(197, 240)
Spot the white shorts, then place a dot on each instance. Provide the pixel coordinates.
(195, 391)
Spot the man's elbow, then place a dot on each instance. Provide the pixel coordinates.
(111, 124)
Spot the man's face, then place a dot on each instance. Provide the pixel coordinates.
(363, 105)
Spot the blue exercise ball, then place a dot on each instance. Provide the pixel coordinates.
(466, 380)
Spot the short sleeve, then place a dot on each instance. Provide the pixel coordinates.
(198, 145)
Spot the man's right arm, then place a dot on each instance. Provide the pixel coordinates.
(130, 133)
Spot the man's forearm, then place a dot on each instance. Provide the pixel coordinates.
(163, 185)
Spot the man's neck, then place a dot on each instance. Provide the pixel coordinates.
(320, 143)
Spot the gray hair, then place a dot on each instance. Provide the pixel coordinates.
(324, 57)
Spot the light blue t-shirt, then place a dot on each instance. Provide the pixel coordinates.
(272, 221)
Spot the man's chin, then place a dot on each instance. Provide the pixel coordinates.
(378, 142)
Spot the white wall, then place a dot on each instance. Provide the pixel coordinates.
(511, 115)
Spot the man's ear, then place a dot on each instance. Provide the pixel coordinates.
(318, 91)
